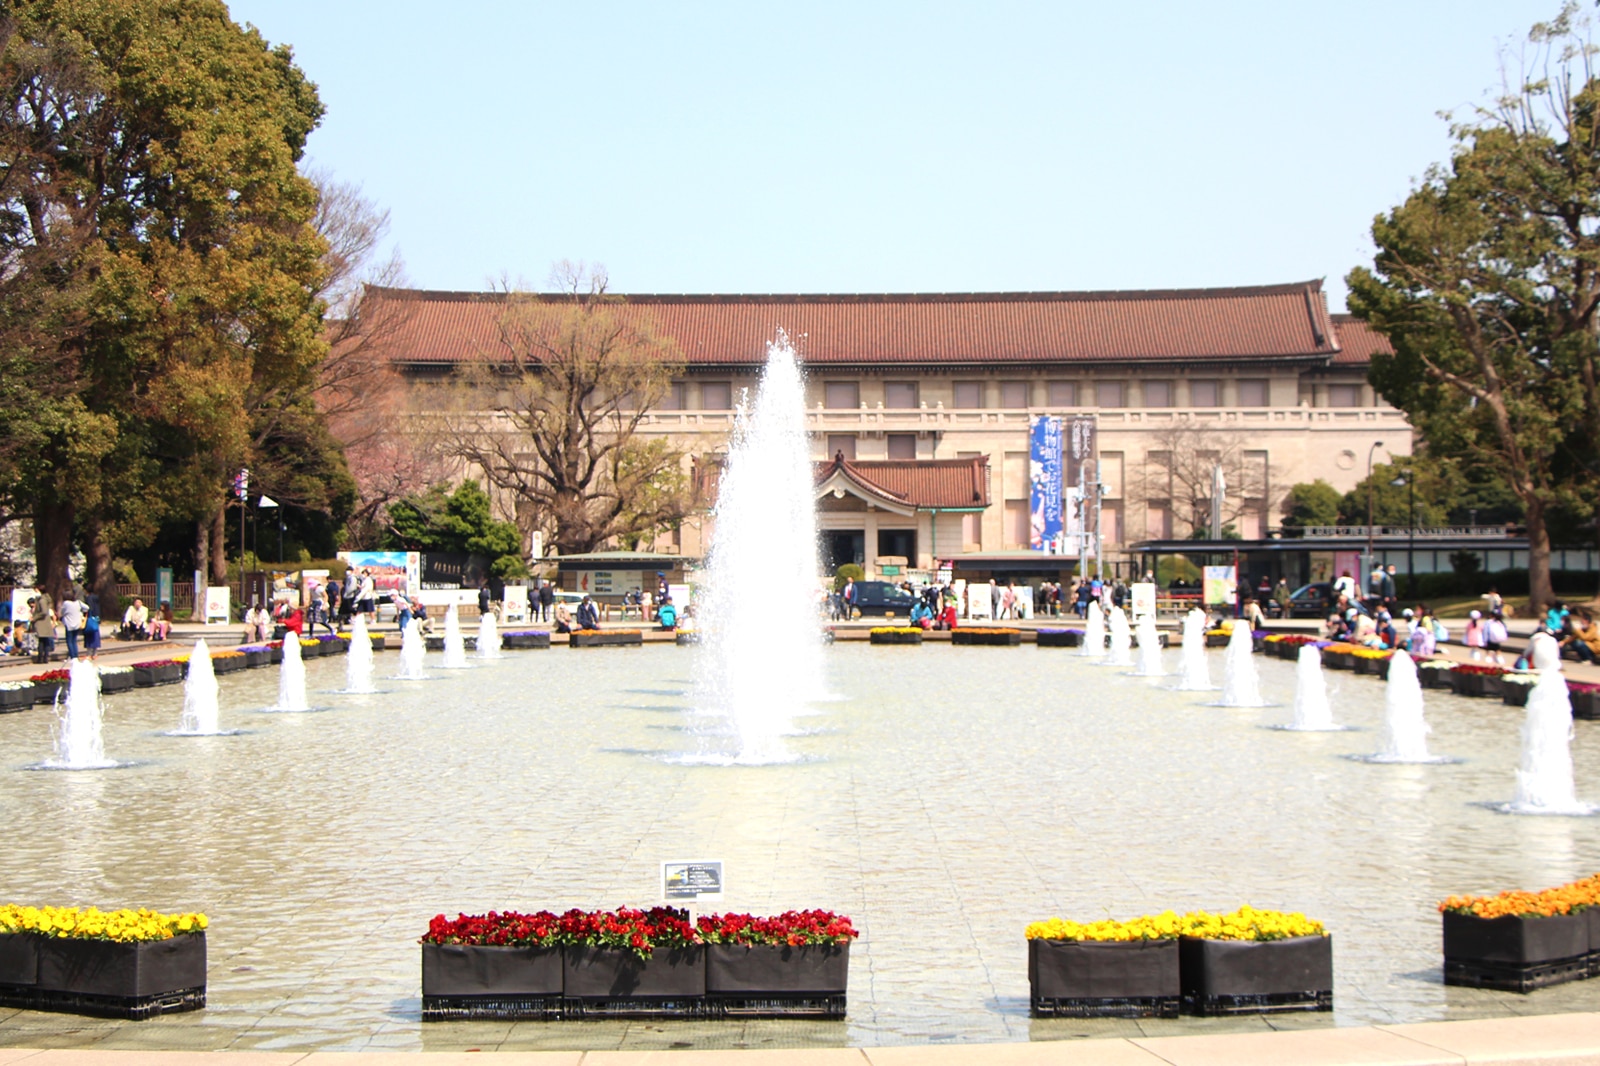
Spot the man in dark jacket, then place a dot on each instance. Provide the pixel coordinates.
(588, 615)
(547, 597)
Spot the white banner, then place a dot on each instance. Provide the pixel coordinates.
(515, 605)
(1144, 598)
(980, 600)
(218, 598)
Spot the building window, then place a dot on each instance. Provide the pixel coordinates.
(1205, 394)
(1014, 395)
(1062, 393)
(716, 395)
(898, 542)
(1252, 392)
(1344, 395)
(676, 397)
(902, 445)
(1108, 394)
(900, 395)
(1158, 394)
(969, 394)
(842, 395)
(842, 444)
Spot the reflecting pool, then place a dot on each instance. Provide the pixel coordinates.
(944, 798)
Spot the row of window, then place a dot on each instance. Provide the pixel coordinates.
(1015, 395)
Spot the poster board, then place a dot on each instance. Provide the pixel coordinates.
(1144, 598)
(1221, 588)
(19, 604)
(610, 582)
(399, 571)
(1024, 601)
(689, 882)
(218, 600)
(514, 607)
(980, 600)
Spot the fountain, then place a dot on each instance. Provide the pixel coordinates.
(78, 742)
(199, 695)
(1312, 712)
(1240, 686)
(358, 662)
(488, 637)
(1196, 674)
(1544, 780)
(292, 676)
(1094, 633)
(1121, 640)
(761, 660)
(412, 650)
(455, 649)
(1149, 648)
(1405, 730)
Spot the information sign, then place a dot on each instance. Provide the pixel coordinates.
(515, 605)
(692, 882)
(217, 601)
(1144, 598)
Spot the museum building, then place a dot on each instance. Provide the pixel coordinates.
(919, 405)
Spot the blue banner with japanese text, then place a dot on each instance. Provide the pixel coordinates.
(1045, 484)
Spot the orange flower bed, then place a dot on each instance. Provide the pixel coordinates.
(1551, 901)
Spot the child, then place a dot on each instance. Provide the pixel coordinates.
(1474, 640)
(1494, 635)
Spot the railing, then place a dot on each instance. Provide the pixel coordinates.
(941, 417)
(182, 595)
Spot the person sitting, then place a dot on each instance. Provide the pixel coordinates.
(257, 624)
(135, 622)
(6, 645)
(922, 615)
(588, 614)
(161, 624)
(563, 619)
(686, 622)
(947, 617)
(667, 615)
(419, 615)
(1585, 638)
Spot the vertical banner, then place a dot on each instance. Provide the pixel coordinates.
(1080, 449)
(1220, 586)
(1044, 477)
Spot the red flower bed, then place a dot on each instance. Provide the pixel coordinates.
(153, 663)
(497, 928)
(48, 676)
(1582, 686)
(791, 927)
(1476, 668)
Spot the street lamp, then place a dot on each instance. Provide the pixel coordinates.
(1366, 568)
(1409, 482)
(268, 502)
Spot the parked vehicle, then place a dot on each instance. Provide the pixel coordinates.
(882, 599)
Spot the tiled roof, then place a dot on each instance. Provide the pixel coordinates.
(1269, 321)
(925, 483)
(1357, 341)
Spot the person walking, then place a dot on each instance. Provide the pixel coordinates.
(547, 596)
(91, 625)
(1283, 598)
(42, 620)
(1389, 589)
(367, 597)
(72, 615)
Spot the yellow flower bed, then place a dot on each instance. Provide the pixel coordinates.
(91, 923)
(1246, 923)
(1224, 629)
(895, 629)
(1361, 652)
(1550, 902)
(227, 655)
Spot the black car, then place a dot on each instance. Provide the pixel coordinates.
(883, 598)
(1315, 600)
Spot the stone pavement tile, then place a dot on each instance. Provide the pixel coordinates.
(97, 1057)
(438, 1058)
(1047, 1053)
(729, 1057)
(1303, 1047)
(1552, 1038)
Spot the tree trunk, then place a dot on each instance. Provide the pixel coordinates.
(99, 577)
(1540, 593)
(219, 547)
(52, 546)
(202, 550)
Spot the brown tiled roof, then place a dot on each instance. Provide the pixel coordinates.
(1357, 341)
(925, 483)
(1268, 321)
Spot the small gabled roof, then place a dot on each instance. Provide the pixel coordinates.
(1358, 342)
(911, 484)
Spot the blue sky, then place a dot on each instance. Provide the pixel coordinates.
(890, 147)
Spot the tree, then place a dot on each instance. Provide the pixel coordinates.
(459, 522)
(1433, 494)
(1179, 474)
(552, 417)
(1487, 281)
(1313, 503)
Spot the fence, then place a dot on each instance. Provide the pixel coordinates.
(182, 597)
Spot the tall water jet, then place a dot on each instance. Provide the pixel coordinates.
(1149, 648)
(1196, 674)
(1312, 712)
(1240, 685)
(1121, 653)
(488, 637)
(761, 635)
(1094, 632)
(78, 743)
(200, 696)
(292, 676)
(358, 662)
(412, 651)
(1544, 780)
(455, 649)
(1405, 730)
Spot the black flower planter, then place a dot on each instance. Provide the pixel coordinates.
(1060, 638)
(120, 681)
(1515, 953)
(525, 640)
(999, 638)
(258, 657)
(462, 981)
(1103, 978)
(685, 639)
(380, 642)
(1256, 976)
(1258, 644)
(45, 692)
(1470, 684)
(147, 676)
(1586, 705)
(599, 638)
(1515, 695)
(19, 960)
(1216, 640)
(765, 980)
(1436, 678)
(612, 982)
(16, 699)
(275, 655)
(312, 650)
(226, 664)
(113, 980)
(896, 638)
(1338, 660)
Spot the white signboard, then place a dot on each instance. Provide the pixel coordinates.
(218, 598)
(980, 603)
(609, 582)
(696, 881)
(1144, 598)
(1024, 601)
(515, 604)
(19, 604)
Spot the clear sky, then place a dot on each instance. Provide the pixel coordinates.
(890, 147)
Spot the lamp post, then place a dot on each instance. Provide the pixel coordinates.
(1407, 479)
(1366, 566)
(268, 502)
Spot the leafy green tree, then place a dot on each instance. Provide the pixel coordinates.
(1311, 503)
(461, 522)
(1432, 496)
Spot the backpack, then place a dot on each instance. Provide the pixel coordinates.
(1440, 634)
(1494, 632)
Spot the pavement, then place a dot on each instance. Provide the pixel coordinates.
(1545, 1040)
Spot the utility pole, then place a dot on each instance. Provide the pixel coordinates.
(1366, 564)
(1099, 542)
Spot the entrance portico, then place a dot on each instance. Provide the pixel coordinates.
(910, 509)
